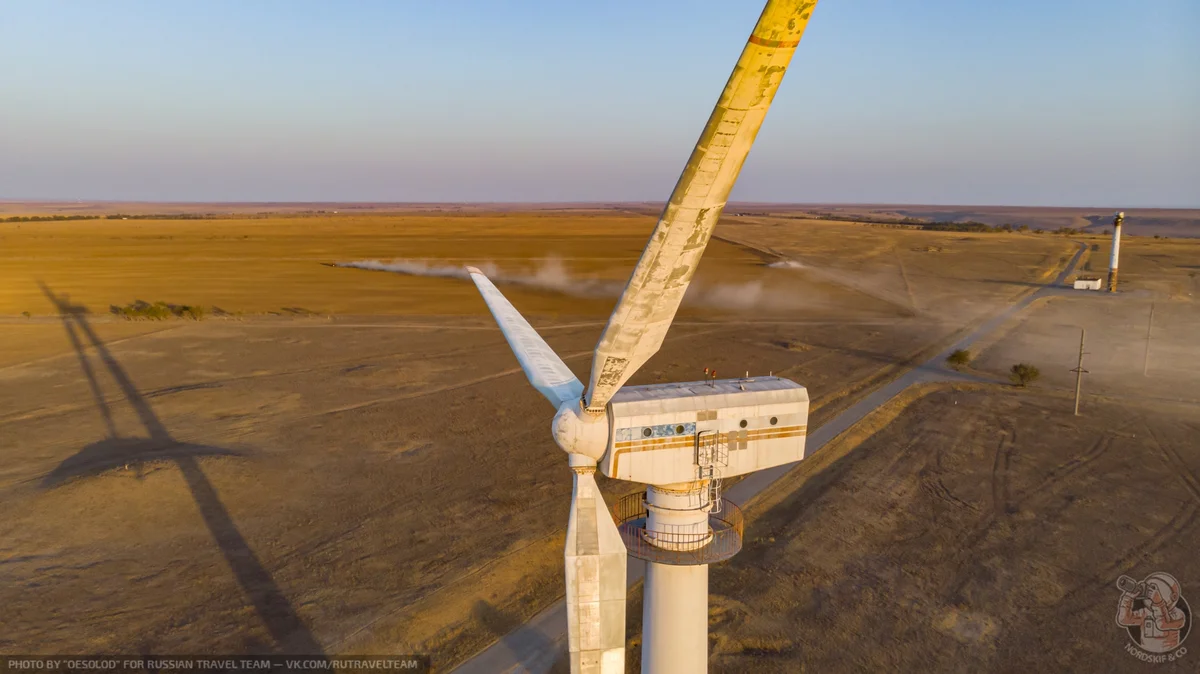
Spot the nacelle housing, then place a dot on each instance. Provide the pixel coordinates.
(673, 433)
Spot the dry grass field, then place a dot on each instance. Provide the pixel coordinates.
(373, 473)
(955, 277)
(982, 530)
(1169, 269)
(1119, 359)
(1172, 222)
(264, 265)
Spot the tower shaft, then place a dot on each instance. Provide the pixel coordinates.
(1114, 257)
(675, 604)
(675, 619)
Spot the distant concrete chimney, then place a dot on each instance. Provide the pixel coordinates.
(1118, 218)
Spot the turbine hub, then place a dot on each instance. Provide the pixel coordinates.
(577, 432)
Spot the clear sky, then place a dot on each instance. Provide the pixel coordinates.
(1038, 102)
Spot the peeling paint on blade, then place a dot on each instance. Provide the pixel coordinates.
(642, 315)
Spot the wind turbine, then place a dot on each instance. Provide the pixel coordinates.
(680, 439)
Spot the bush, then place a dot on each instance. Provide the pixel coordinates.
(1023, 374)
(158, 311)
(188, 311)
(139, 309)
(959, 358)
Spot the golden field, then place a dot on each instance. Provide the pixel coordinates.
(378, 477)
(258, 265)
(261, 265)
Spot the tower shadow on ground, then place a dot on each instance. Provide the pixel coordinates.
(549, 656)
(285, 626)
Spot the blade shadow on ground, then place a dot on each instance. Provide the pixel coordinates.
(288, 630)
(132, 454)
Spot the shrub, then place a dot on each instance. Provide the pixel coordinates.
(1023, 374)
(192, 312)
(139, 309)
(959, 358)
(158, 311)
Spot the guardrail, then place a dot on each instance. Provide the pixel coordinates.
(722, 541)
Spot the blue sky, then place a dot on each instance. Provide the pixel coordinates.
(1050, 102)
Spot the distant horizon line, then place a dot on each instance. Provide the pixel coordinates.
(10, 201)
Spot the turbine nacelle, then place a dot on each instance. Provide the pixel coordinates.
(668, 434)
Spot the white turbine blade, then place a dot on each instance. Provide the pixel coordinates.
(542, 366)
(595, 560)
(646, 308)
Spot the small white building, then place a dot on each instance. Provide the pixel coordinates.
(1087, 283)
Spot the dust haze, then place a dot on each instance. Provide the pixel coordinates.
(552, 275)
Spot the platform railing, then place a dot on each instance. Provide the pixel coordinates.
(722, 540)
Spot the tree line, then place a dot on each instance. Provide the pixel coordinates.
(113, 216)
(920, 223)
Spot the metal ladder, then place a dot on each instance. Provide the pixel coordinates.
(711, 457)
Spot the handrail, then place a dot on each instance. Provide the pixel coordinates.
(722, 540)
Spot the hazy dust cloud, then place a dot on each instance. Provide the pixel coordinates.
(551, 275)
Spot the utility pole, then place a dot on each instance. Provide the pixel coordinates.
(1079, 371)
(1149, 327)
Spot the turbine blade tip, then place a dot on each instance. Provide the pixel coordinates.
(474, 270)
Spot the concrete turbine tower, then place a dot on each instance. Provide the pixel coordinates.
(680, 439)
(1118, 219)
